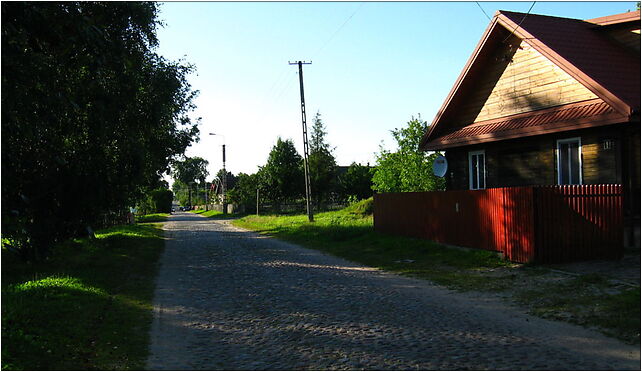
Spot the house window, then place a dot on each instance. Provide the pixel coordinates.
(569, 161)
(477, 169)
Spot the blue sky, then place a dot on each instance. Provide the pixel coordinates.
(374, 66)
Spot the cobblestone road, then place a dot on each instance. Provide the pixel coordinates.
(227, 299)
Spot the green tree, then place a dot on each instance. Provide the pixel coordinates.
(157, 201)
(91, 116)
(191, 172)
(323, 166)
(356, 183)
(408, 168)
(180, 192)
(231, 180)
(244, 191)
(282, 175)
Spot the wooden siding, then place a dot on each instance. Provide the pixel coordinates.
(457, 174)
(528, 165)
(635, 141)
(631, 171)
(532, 161)
(600, 164)
(519, 79)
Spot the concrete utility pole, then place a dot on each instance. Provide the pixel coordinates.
(206, 199)
(224, 181)
(224, 188)
(308, 191)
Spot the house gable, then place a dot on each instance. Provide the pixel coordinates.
(517, 79)
(528, 63)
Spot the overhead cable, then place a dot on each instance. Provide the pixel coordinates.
(482, 9)
(520, 22)
(337, 31)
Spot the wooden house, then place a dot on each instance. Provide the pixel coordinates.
(546, 101)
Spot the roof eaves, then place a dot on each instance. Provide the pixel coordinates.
(460, 79)
(616, 18)
(564, 126)
(565, 65)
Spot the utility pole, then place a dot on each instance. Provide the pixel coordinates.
(190, 193)
(224, 180)
(308, 191)
(257, 202)
(224, 188)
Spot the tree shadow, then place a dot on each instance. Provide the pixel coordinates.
(276, 306)
(92, 294)
(60, 323)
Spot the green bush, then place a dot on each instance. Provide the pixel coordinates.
(162, 200)
(361, 208)
(156, 201)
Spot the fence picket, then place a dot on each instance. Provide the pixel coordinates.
(537, 223)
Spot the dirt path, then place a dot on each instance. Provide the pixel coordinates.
(228, 299)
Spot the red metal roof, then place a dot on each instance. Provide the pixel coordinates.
(592, 54)
(567, 117)
(576, 46)
(616, 18)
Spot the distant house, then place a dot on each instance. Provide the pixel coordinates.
(546, 101)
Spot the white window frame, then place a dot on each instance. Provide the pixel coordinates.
(559, 158)
(470, 170)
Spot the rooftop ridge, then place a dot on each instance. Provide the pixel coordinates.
(536, 15)
(615, 18)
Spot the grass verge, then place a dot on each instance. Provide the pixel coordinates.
(87, 307)
(349, 234)
(211, 213)
(154, 217)
(589, 300)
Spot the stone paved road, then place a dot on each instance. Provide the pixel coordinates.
(227, 299)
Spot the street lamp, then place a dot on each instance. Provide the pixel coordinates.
(224, 183)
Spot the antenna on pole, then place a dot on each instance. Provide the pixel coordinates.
(306, 166)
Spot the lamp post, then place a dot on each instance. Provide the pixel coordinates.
(224, 183)
(189, 193)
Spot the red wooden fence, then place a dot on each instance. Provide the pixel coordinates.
(526, 224)
(579, 222)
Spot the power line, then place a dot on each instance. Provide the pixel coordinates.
(277, 81)
(337, 31)
(291, 78)
(482, 9)
(285, 87)
(520, 22)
